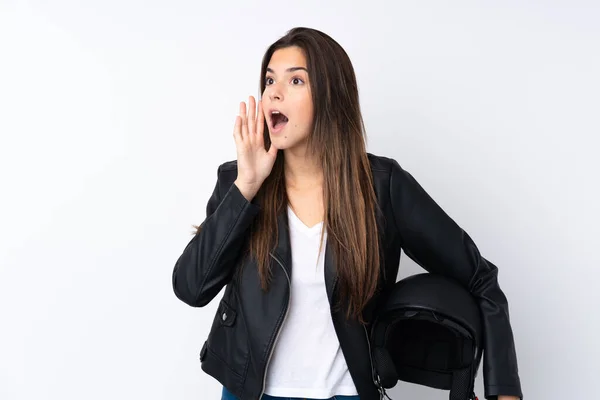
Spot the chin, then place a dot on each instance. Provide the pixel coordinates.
(279, 139)
(285, 141)
(280, 144)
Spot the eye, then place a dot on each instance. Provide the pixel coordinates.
(297, 79)
(268, 80)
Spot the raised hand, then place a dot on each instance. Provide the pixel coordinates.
(253, 161)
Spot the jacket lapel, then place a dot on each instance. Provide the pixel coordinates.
(284, 252)
(330, 273)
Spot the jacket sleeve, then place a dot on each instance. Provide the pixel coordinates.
(435, 242)
(208, 261)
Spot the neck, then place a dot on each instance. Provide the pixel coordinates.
(302, 171)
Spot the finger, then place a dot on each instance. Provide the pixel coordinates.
(237, 131)
(251, 115)
(260, 122)
(244, 120)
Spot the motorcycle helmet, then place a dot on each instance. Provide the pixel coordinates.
(428, 331)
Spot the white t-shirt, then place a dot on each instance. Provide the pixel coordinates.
(307, 360)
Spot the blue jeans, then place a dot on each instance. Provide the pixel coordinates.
(227, 395)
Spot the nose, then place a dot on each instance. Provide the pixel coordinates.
(274, 92)
(274, 95)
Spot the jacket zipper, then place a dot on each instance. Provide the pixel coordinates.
(278, 328)
(376, 380)
(370, 357)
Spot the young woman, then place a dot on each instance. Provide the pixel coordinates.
(305, 229)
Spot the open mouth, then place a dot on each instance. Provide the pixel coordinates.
(278, 119)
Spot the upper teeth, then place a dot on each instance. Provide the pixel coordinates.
(276, 112)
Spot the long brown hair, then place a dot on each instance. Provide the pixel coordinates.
(338, 140)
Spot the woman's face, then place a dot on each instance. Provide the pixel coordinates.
(287, 102)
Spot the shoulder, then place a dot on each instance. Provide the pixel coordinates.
(227, 170)
(379, 162)
(226, 175)
(384, 167)
(228, 166)
(401, 186)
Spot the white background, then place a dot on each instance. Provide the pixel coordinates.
(114, 116)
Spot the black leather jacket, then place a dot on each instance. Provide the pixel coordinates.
(247, 323)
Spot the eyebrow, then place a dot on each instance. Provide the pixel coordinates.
(292, 69)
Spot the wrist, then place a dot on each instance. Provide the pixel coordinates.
(248, 191)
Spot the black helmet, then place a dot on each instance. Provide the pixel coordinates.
(428, 331)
